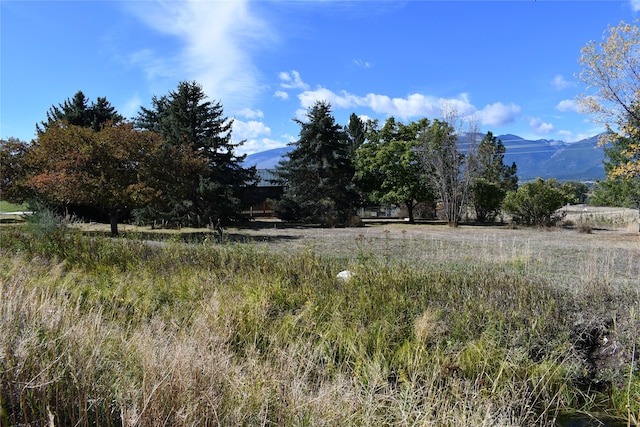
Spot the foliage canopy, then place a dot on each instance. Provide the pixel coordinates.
(388, 166)
(114, 169)
(611, 71)
(536, 202)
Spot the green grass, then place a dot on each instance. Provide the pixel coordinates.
(96, 331)
(11, 207)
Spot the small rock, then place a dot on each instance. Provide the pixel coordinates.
(345, 275)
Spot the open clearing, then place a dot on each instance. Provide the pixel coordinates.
(610, 251)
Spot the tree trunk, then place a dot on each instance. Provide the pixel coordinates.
(113, 221)
(410, 211)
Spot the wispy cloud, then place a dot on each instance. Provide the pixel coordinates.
(216, 39)
(361, 63)
(635, 5)
(131, 107)
(281, 94)
(251, 114)
(292, 80)
(560, 83)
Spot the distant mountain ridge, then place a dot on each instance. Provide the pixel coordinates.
(579, 161)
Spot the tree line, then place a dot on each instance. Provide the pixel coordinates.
(444, 164)
(175, 162)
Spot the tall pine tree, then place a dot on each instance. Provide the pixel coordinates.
(78, 112)
(494, 179)
(185, 118)
(318, 175)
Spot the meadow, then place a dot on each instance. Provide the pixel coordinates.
(437, 326)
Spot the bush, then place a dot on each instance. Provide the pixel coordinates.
(537, 203)
(585, 228)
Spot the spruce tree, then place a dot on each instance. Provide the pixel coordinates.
(78, 112)
(494, 179)
(356, 132)
(186, 118)
(318, 174)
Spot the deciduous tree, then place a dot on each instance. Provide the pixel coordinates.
(388, 166)
(611, 71)
(114, 169)
(620, 189)
(13, 170)
(450, 171)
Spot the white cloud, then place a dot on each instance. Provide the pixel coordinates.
(538, 126)
(568, 136)
(292, 80)
(251, 114)
(364, 118)
(414, 105)
(281, 94)
(361, 63)
(635, 5)
(216, 39)
(567, 105)
(344, 100)
(256, 145)
(249, 129)
(559, 82)
(498, 114)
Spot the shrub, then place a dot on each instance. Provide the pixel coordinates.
(585, 228)
(537, 203)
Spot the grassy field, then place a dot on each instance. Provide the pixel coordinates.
(11, 207)
(441, 327)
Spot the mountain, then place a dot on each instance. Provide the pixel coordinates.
(577, 161)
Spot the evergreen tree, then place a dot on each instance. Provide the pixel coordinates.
(356, 132)
(78, 112)
(494, 179)
(186, 118)
(318, 175)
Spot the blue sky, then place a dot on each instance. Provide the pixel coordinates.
(509, 64)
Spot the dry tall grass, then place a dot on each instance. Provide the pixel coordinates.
(101, 332)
